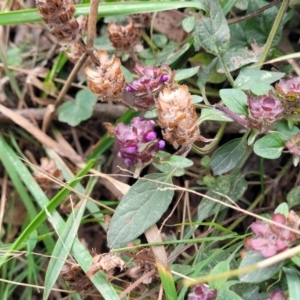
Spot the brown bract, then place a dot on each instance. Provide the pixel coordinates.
(107, 80)
(177, 116)
(58, 15)
(124, 38)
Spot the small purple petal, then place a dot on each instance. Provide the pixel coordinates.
(164, 78)
(129, 89)
(130, 149)
(161, 144)
(128, 162)
(277, 295)
(150, 136)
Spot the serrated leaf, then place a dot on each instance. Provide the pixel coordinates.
(256, 80)
(75, 112)
(235, 100)
(212, 33)
(269, 146)
(140, 208)
(188, 23)
(186, 73)
(220, 268)
(258, 275)
(212, 114)
(228, 156)
(293, 282)
(293, 197)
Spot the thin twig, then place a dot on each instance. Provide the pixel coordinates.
(253, 14)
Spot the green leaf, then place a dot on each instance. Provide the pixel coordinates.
(293, 197)
(173, 56)
(282, 208)
(186, 73)
(188, 24)
(256, 80)
(285, 132)
(213, 114)
(32, 241)
(269, 146)
(228, 156)
(258, 275)
(75, 112)
(235, 58)
(13, 56)
(127, 74)
(293, 282)
(258, 28)
(212, 33)
(196, 99)
(220, 268)
(225, 294)
(235, 100)
(160, 40)
(140, 208)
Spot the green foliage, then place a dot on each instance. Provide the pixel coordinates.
(269, 146)
(74, 113)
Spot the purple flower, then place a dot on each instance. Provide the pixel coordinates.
(202, 292)
(270, 238)
(265, 108)
(151, 80)
(293, 144)
(289, 89)
(138, 143)
(277, 295)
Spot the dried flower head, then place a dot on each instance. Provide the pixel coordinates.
(124, 38)
(58, 15)
(47, 170)
(265, 108)
(270, 238)
(202, 292)
(277, 295)
(177, 116)
(107, 80)
(289, 89)
(142, 20)
(151, 81)
(138, 143)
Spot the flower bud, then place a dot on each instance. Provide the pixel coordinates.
(137, 143)
(202, 292)
(151, 80)
(265, 108)
(289, 89)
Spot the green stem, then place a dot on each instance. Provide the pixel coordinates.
(148, 40)
(273, 32)
(228, 75)
(261, 196)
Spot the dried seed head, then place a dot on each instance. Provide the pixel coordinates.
(58, 15)
(124, 38)
(142, 20)
(151, 81)
(107, 80)
(177, 116)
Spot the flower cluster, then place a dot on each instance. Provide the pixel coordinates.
(177, 116)
(270, 238)
(277, 295)
(151, 81)
(106, 80)
(138, 143)
(202, 292)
